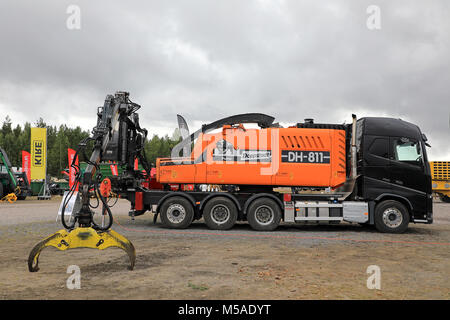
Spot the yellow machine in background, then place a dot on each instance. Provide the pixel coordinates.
(440, 175)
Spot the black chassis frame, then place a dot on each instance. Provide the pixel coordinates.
(198, 199)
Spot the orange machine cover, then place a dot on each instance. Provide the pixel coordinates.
(273, 156)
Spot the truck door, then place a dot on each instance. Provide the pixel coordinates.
(407, 171)
(406, 164)
(376, 165)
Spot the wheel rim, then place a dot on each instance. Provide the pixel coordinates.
(392, 217)
(176, 213)
(264, 215)
(220, 214)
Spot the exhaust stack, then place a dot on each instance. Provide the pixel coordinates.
(353, 149)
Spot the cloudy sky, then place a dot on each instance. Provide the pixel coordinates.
(209, 59)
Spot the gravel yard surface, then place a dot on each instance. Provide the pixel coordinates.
(293, 262)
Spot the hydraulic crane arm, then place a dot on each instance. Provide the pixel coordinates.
(116, 137)
(113, 137)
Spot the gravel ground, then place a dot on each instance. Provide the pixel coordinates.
(294, 262)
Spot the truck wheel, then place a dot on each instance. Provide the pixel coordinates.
(391, 217)
(444, 198)
(177, 213)
(220, 213)
(264, 214)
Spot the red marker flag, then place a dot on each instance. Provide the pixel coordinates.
(136, 164)
(114, 170)
(26, 164)
(71, 156)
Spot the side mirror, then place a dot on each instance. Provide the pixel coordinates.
(424, 138)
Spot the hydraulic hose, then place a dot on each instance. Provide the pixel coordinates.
(108, 209)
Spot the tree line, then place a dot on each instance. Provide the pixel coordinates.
(15, 139)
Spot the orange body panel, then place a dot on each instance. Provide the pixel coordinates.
(272, 156)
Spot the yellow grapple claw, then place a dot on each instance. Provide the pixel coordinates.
(82, 238)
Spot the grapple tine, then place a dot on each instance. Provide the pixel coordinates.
(124, 244)
(33, 258)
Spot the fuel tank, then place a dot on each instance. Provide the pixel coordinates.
(294, 156)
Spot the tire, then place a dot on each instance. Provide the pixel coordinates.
(264, 214)
(391, 217)
(444, 198)
(1, 190)
(22, 195)
(177, 213)
(220, 213)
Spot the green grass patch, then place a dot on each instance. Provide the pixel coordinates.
(197, 287)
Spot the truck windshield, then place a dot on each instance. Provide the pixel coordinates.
(407, 150)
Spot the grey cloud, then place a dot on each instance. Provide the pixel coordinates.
(208, 59)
